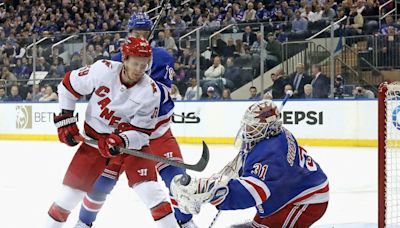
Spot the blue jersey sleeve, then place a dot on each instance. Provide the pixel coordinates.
(162, 68)
(117, 57)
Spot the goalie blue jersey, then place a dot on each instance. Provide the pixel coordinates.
(275, 173)
(162, 71)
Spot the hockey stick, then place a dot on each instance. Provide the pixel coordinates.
(164, 5)
(199, 166)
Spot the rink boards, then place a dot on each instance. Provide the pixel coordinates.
(315, 123)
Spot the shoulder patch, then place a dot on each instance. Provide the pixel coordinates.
(107, 63)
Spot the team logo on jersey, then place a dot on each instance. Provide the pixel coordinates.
(23, 117)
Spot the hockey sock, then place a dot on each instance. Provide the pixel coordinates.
(94, 200)
(64, 203)
(167, 174)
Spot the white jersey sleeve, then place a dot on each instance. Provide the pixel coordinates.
(77, 83)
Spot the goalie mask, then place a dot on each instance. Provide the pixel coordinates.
(261, 120)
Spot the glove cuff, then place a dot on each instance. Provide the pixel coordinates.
(62, 122)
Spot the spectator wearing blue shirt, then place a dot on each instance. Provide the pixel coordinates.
(299, 24)
(253, 94)
(14, 94)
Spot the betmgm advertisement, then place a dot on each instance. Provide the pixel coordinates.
(318, 123)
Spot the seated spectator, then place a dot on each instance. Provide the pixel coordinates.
(229, 20)
(299, 24)
(239, 48)
(213, 24)
(230, 48)
(253, 93)
(36, 94)
(250, 13)
(8, 76)
(328, 13)
(355, 28)
(2, 94)
(191, 91)
(226, 94)
(215, 71)
(169, 41)
(262, 13)
(248, 36)
(256, 47)
(389, 22)
(361, 92)
(14, 94)
(211, 95)
(160, 41)
(179, 25)
(175, 94)
(371, 9)
(42, 65)
(218, 45)
(273, 55)
(49, 95)
(287, 88)
(233, 73)
(308, 14)
(308, 91)
(320, 83)
(238, 13)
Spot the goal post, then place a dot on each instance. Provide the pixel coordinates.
(389, 155)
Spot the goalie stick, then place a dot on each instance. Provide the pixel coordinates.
(199, 166)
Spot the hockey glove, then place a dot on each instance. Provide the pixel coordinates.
(67, 129)
(199, 191)
(109, 146)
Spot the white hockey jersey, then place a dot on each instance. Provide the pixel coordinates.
(132, 109)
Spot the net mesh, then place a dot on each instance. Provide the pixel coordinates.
(392, 156)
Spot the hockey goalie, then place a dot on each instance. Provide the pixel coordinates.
(271, 172)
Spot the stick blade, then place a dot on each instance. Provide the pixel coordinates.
(202, 163)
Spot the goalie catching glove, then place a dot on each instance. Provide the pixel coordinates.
(198, 191)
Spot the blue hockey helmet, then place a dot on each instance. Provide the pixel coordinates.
(139, 21)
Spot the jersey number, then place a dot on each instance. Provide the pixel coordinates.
(84, 71)
(260, 170)
(306, 160)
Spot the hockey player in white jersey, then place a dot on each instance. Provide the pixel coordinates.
(121, 113)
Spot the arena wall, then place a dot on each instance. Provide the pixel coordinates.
(314, 123)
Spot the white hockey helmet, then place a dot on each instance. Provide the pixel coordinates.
(261, 120)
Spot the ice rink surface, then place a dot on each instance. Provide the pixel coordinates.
(31, 173)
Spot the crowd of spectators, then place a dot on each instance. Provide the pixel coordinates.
(225, 66)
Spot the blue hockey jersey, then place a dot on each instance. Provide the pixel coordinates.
(161, 71)
(275, 173)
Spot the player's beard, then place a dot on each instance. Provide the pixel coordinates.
(131, 77)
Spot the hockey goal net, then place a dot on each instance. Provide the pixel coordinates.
(389, 155)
